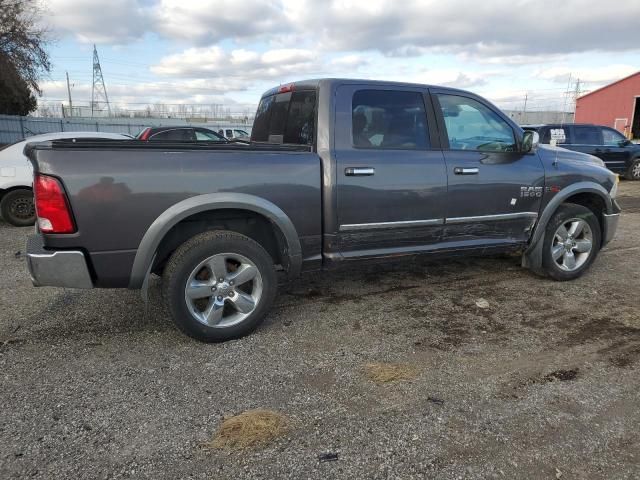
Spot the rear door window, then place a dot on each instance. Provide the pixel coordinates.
(586, 135)
(286, 118)
(175, 135)
(386, 119)
(203, 135)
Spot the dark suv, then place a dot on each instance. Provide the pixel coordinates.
(619, 154)
(180, 134)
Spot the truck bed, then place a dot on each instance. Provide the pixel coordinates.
(117, 189)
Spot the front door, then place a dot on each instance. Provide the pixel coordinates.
(391, 178)
(495, 191)
(615, 152)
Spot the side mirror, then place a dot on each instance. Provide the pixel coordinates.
(530, 141)
(624, 143)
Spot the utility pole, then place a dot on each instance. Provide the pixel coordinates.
(69, 93)
(524, 109)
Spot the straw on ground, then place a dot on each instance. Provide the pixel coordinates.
(252, 428)
(390, 372)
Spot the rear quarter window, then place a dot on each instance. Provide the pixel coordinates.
(557, 133)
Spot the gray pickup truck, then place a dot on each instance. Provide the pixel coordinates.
(337, 171)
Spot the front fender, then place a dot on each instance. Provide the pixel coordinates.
(212, 201)
(532, 257)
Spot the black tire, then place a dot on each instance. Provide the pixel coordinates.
(633, 173)
(17, 208)
(565, 213)
(189, 256)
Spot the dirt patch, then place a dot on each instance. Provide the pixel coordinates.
(626, 357)
(562, 375)
(600, 329)
(253, 428)
(389, 372)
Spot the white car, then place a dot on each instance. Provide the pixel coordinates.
(16, 175)
(235, 134)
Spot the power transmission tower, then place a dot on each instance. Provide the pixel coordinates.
(576, 94)
(99, 98)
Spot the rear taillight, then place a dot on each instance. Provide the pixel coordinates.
(52, 207)
(286, 88)
(145, 134)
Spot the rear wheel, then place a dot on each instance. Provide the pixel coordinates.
(634, 170)
(219, 285)
(17, 207)
(571, 243)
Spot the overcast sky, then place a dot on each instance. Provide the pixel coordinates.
(230, 51)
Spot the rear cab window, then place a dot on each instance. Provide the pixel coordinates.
(286, 118)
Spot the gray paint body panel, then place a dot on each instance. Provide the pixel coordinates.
(125, 199)
(213, 201)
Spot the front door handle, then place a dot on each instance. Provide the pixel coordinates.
(359, 171)
(466, 171)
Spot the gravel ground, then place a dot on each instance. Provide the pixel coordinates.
(541, 384)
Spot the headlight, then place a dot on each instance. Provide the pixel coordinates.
(614, 189)
(597, 161)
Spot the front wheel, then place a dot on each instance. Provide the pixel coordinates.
(219, 285)
(17, 208)
(571, 243)
(634, 170)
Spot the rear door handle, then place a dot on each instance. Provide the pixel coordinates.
(359, 171)
(466, 171)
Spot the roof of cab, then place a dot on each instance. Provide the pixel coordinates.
(317, 82)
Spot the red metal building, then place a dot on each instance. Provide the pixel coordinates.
(616, 105)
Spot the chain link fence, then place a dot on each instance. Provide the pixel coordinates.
(15, 128)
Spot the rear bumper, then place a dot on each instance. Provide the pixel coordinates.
(60, 268)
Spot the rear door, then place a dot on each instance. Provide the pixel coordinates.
(494, 191)
(391, 177)
(586, 139)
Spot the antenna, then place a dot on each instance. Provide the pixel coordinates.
(564, 108)
(576, 94)
(99, 98)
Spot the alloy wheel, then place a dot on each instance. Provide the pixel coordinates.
(223, 290)
(572, 244)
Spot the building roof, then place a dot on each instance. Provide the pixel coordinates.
(609, 85)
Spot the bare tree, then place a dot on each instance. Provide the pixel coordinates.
(22, 41)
